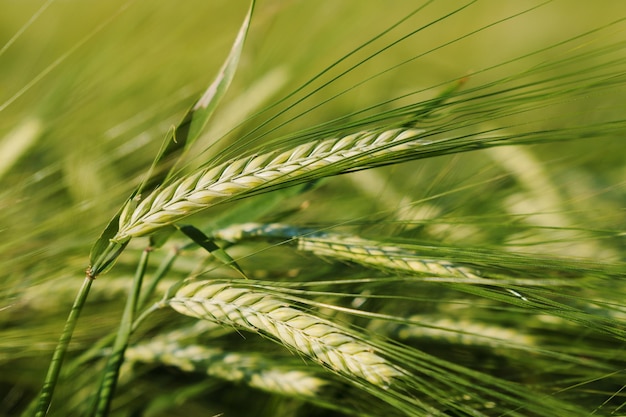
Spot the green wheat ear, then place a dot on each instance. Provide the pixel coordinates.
(241, 177)
(256, 370)
(321, 340)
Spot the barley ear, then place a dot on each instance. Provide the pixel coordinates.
(242, 177)
(377, 254)
(255, 369)
(322, 341)
(352, 248)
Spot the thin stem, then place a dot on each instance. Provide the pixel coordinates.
(59, 353)
(163, 269)
(97, 348)
(111, 372)
(154, 307)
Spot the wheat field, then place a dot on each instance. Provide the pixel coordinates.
(303, 209)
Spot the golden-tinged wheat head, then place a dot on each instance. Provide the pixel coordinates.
(254, 369)
(463, 332)
(349, 247)
(236, 178)
(319, 339)
(376, 254)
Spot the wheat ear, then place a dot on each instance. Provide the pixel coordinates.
(352, 248)
(373, 253)
(254, 369)
(236, 178)
(463, 331)
(312, 336)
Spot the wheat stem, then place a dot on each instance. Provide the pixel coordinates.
(111, 372)
(54, 369)
(310, 335)
(240, 177)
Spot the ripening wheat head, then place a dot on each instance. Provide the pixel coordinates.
(312, 336)
(377, 254)
(252, 368)
(350, 247)
(236, 178)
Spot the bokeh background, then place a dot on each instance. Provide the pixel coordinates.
(88, 91)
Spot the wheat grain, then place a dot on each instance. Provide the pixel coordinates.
(254, 369)
(236, 178)
(319, 339)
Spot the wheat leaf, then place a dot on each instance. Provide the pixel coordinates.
(205, 107)
(196, 118)
(104, 252)
(210, 246)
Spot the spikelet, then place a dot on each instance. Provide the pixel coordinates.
(210, 186)
(309, 335)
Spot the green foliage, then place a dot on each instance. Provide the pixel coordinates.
(479, 273)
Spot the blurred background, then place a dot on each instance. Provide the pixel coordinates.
(88, 91)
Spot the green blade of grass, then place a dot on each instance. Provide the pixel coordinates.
(196, 118)
(210, 246)
(104, 252)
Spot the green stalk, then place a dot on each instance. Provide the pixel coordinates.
(97, 348)
(59, 353)
(111, 372)
(56, 362)
(163, 269)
